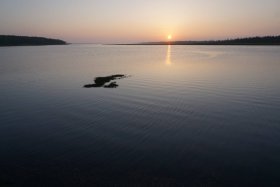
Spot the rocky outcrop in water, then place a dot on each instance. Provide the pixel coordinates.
(101, 81)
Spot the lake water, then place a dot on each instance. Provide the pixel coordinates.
(187, 116)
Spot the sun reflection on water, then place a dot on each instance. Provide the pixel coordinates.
(168, 56)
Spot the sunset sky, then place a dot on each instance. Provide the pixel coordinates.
(108, 21)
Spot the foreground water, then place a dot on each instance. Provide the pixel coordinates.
(187, 116)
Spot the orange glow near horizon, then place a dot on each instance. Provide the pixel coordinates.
(107, 22)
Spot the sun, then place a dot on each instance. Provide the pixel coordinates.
(169, 37)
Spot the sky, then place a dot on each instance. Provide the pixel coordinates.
(121, 21)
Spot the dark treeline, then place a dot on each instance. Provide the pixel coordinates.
(267, 40)
(8, 40)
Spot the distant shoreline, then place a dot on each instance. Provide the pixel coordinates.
(266, 40)
(12, 40)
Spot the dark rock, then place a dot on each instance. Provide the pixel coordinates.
(101, 81)
(92, 86)
(111, 85)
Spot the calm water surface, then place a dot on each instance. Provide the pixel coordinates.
(187, 116)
